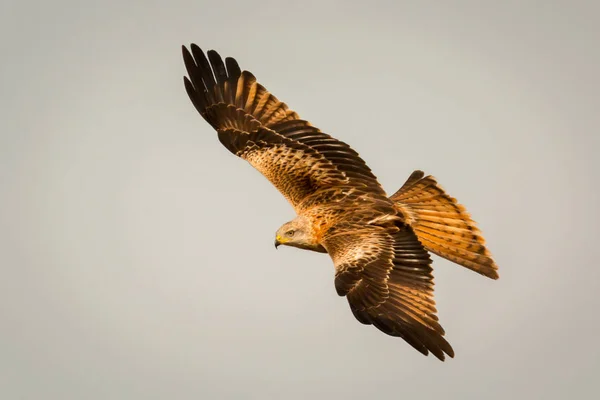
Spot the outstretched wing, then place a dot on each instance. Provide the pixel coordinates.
(253, 124)
(385, 273)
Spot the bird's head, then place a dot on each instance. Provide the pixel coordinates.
(296, 233)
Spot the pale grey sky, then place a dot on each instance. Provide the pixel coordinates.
(137, 254)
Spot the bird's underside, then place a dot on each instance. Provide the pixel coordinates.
(379, 245)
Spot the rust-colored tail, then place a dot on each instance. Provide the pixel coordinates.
(442, 225)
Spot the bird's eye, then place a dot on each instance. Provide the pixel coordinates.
(290, 233)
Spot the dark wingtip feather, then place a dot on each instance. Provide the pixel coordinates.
(204, 67)
(190, 64)
(217, 65)
(196, 98)
(233, 68)
(195, 48)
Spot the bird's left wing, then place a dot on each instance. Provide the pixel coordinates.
(296, 157)
(385, 273)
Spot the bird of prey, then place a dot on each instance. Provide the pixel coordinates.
(379, 245)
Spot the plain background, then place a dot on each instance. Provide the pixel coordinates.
(136, 253)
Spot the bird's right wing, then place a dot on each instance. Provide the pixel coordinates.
(295, 156)
(385, 273)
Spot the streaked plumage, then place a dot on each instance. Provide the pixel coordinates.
(379, 245)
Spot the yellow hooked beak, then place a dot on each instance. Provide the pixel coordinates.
(279, 240)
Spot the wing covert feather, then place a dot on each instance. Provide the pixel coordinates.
(294, 169)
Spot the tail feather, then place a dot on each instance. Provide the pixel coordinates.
(443, 226)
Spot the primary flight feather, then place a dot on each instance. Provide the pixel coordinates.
(379, 244)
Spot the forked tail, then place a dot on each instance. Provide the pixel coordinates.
(442, 225)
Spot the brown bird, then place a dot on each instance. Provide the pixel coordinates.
(379, 244)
